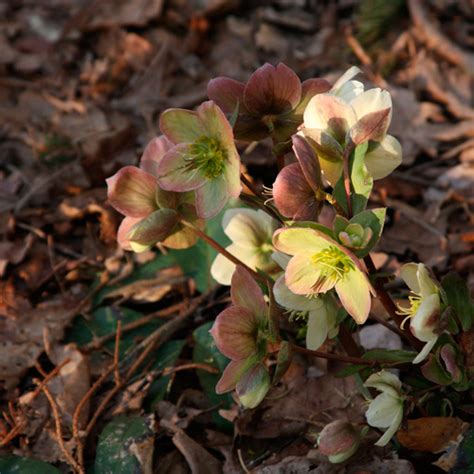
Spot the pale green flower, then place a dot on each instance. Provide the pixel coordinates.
(251, 235)
(425, 306)
(386, 410)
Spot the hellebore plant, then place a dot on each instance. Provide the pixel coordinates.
(335, 139)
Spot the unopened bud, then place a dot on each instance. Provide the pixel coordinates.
(339, 441)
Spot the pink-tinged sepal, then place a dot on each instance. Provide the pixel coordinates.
(308, 162)
(153, 228)
(132, 192)
(231, 375)
(253, 386)
(272, 90)
(372, 126)
(247, 294)
(153, 153)
(227, 93)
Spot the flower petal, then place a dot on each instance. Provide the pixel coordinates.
(425, 351)
(308, 161)
(370, 101)
(253, 386)
(345, 87)
(226, 93)
(176, 174)
(331, 114)
(293, 302)
(424, 323)
(232, 175)
(393, 428)
(309, 89)
(427, 284)
(384, 381)
(409, 274)
(153, 228)
(216, 125)
(272, 90)
(372, 126)
(384, 157)
(318, 329)
(354, 292)
(123, 230)
(234, 332)
(247, 294)
(153, 153)
(383, 410)
(231, 375)
(211, 198)
(302, 240)
(302, 275)
(181, 125)
(291, 191)
(132, 192)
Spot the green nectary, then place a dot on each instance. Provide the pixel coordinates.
(207, 155)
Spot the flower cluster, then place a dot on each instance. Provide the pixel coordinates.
(319, 275)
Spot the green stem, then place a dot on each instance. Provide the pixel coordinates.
(347, 176)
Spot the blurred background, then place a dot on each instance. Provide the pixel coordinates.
(82, 84)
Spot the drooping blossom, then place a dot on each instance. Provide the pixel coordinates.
(297, 188)
(240, 332)
(321, 311)
(204, 158)
(251, 234)
(339, 440)
(319, 264)
(271, 103)
(151, 214)
(386, 410)
(348, 113)
(425, 306)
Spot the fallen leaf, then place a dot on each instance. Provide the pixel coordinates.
(431, 434)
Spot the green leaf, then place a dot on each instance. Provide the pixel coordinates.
(457, 296)
(465, 458)
(350, 370)
(205, 351)
(103, 321)
(119, 444)
(197, 260)
(386, 355)
(361, 182)
(22, 465)
(165, 356)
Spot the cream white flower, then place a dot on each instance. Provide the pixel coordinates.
(321, 312)
(425, 306)
(386, 410)
(251, 235)
(349, 111)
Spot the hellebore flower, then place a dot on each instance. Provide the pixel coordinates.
(251, 234)
(348, 113)
(338, 441)
(271, 103)
(296, 190)
(240, 332)
(446, 367)
(204, 158)
(386, 410)
(321, 311)
(425, 306)
(151, 214)
(319, 264)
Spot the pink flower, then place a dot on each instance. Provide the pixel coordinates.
(151, 214)
(271, 103)
(241, 334)
(204, 158)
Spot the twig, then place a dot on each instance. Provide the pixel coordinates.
(249, 185)
(117, 353)
(59, 434)
(338, 357)
(48, 377)
(435, 40)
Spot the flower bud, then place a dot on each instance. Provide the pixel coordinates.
(339, 441)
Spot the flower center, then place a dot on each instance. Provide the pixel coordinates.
(332, 264)
(207, 155)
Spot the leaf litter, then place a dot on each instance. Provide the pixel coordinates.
(81, 87)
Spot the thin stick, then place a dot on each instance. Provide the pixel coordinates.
(117, 353)
(59, 433)
(249, 185)
(223, 251)
(48, 377)
(338, 357)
